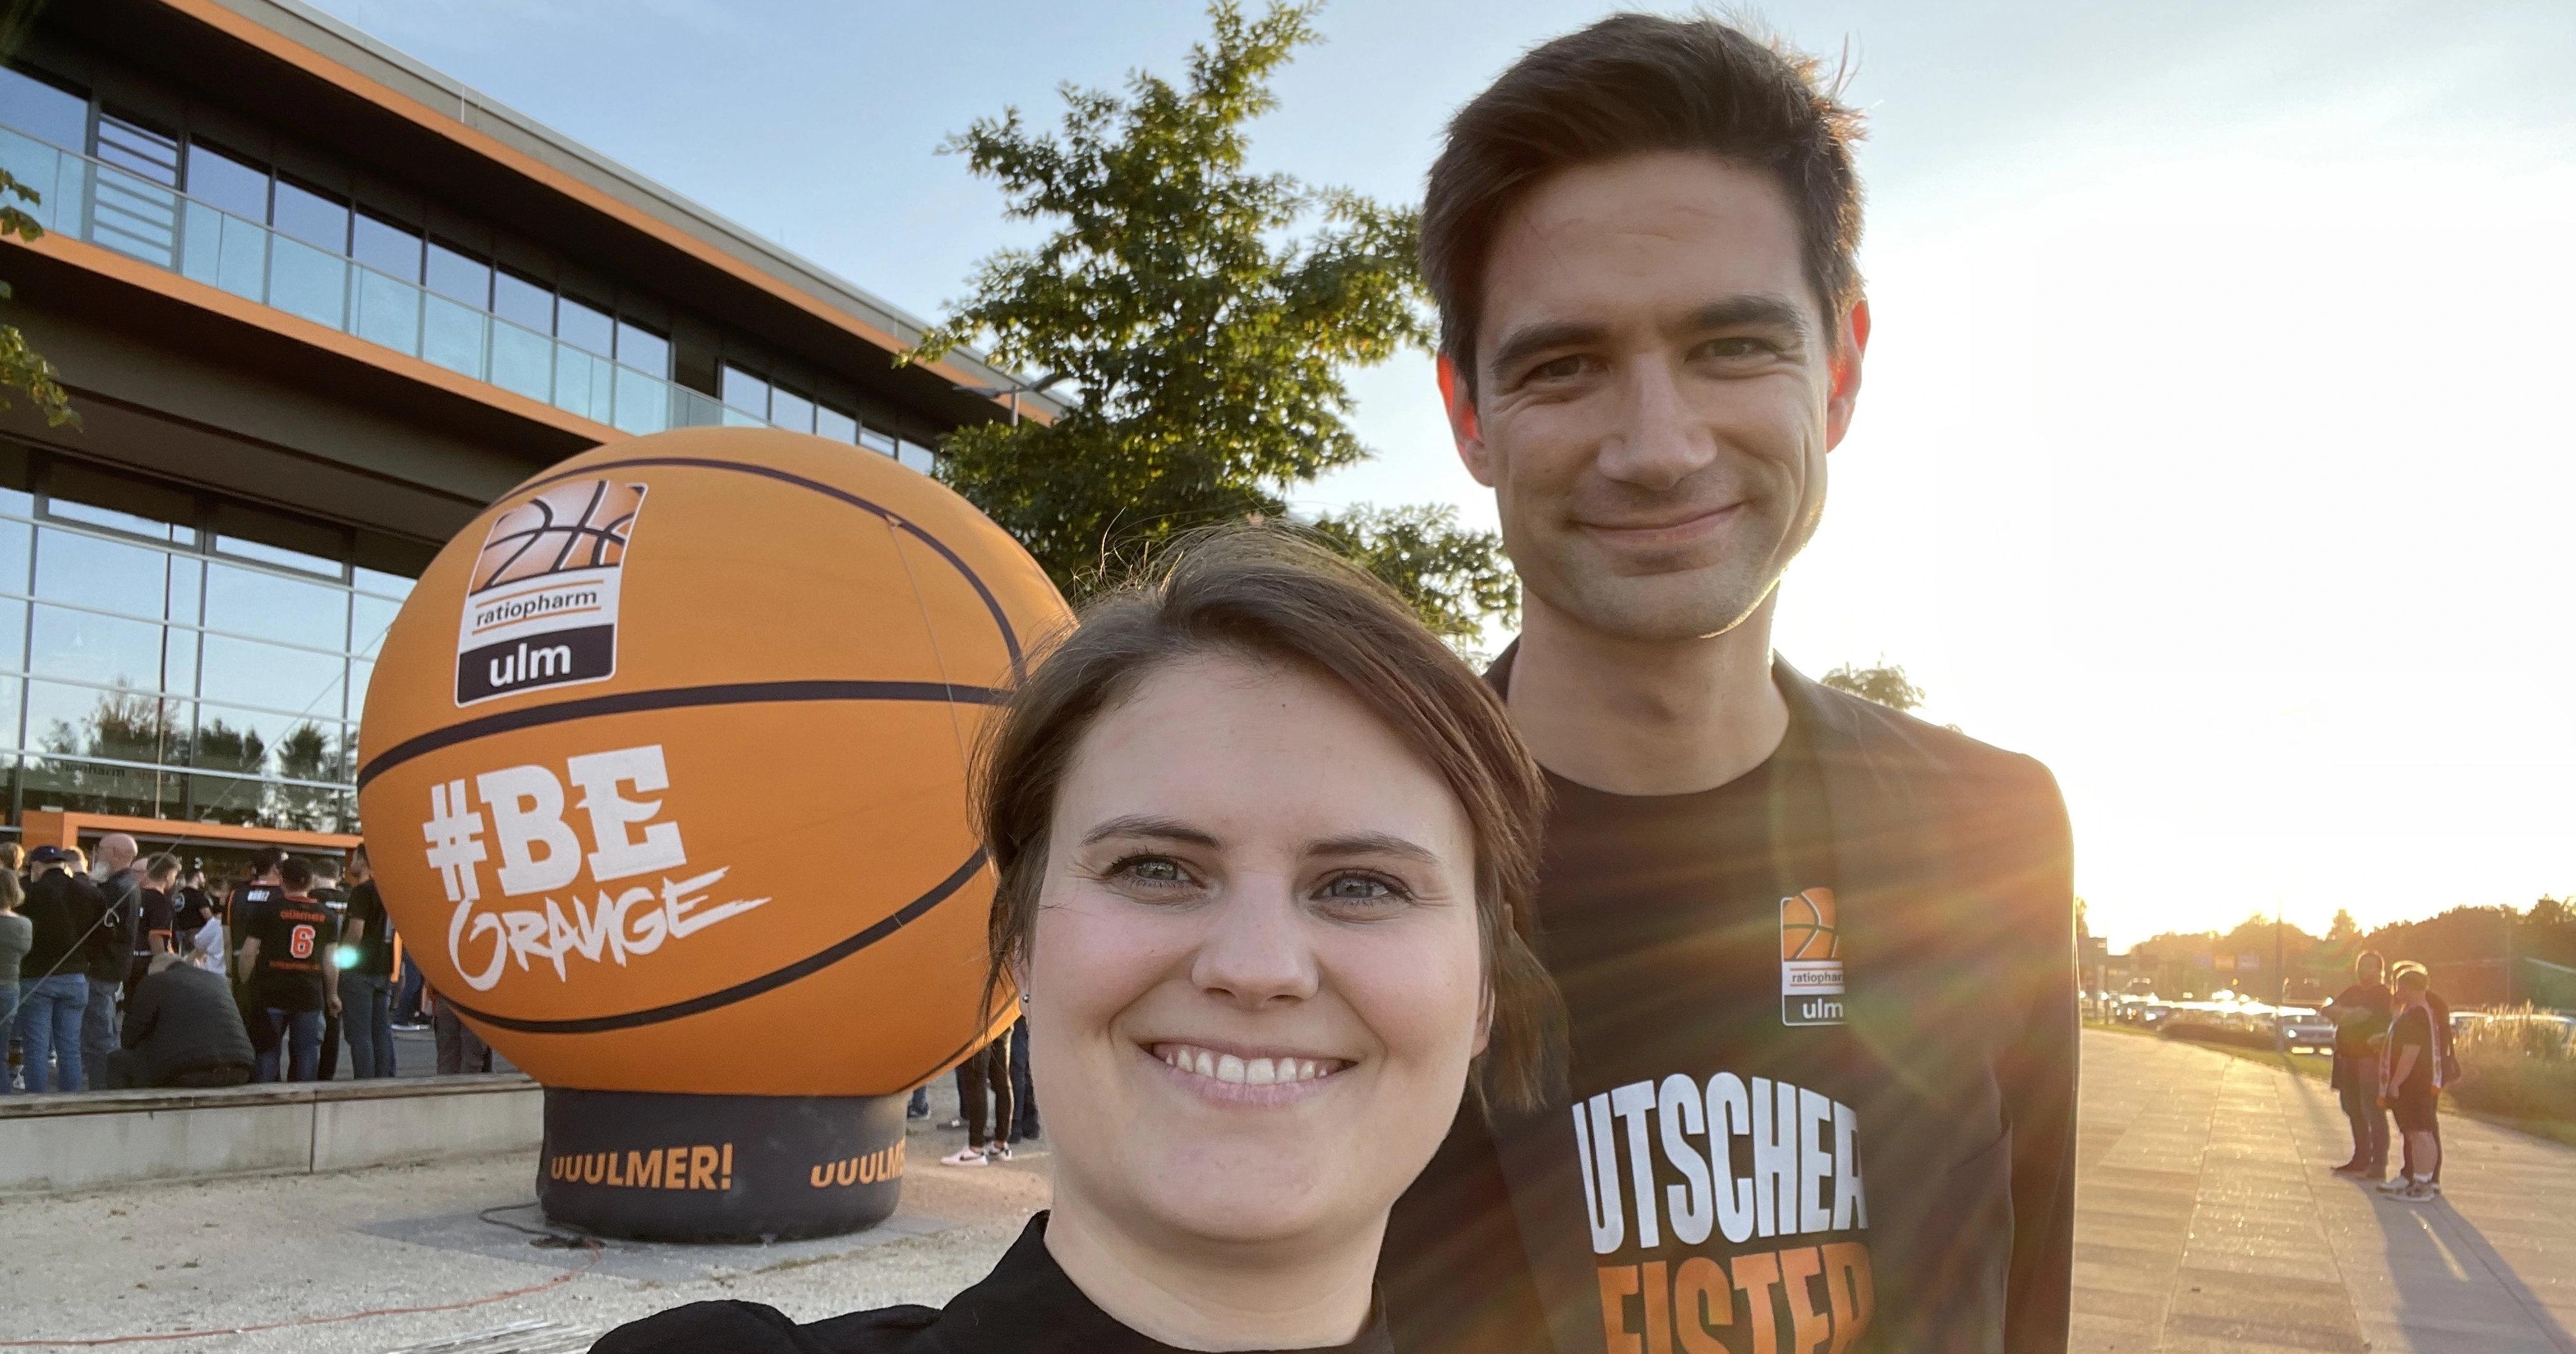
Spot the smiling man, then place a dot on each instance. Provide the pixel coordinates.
(1817, 956)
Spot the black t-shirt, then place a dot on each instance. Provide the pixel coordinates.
(1025, 1306)
(293, 934)
(1714, 1142)
(159, 919)
(192, 909)
(2352, 1037)
(2414, 1030)
(375, 957)
(119, 935)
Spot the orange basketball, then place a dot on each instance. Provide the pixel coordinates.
(664, 766)
(1807, 928)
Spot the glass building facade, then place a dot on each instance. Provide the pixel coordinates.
(168, 653)
(195, 206)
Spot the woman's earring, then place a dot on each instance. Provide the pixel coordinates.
(1024, 999)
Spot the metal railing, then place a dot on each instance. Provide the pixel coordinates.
(103, 205)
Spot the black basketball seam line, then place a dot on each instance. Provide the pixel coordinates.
(948, 1060)
(672, 698)
(598, 495)
(527, 541)
(1002, 622)
(811, 964)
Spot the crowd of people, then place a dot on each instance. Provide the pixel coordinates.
(2392, 1057)
(128, 972)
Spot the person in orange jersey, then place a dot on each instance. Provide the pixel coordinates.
(1818, 957)
(1264, 849)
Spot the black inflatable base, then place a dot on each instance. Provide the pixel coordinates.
(650, 1166)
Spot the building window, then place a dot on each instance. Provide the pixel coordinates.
(585, 326)
(316, 217)
(183, 656)
(44, 109)
(791, 410)
(387, 246)
(228, 182)
(460, 276)
(834, 424)
(642, 349)
(744, 391)
(523, 301)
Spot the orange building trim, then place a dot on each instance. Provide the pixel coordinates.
(41, 827)
(178, 287)
(314, 63)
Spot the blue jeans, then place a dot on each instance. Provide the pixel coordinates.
(366, 1017)
(299, 1038)
(407, 993)
(98, 1031)
(49, 1026)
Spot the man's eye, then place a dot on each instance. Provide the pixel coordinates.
(1736, 348)
(1558, 369)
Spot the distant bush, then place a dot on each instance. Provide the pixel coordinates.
(2520, 1065)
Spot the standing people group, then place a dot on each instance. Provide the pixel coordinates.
(135, 975)
(2392, 1057)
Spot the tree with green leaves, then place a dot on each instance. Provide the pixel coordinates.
(1200, 338)
(22, 368)
(1883, 682)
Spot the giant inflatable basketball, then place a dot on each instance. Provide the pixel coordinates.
(663, 770)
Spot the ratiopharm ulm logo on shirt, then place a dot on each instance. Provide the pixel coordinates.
(541, 609)
(1811, 960)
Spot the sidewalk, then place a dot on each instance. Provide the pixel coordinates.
(2206, 1220)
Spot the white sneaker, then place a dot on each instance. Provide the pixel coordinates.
(2421, 1191)
(1000, 1151)
(963, 1156)
(2395, 1184)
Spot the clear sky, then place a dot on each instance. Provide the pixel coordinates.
(2215, 444)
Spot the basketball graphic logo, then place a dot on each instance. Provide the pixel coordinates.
(1811, 960)
(571, 526)
(541, 603)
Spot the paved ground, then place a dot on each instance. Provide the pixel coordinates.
(2205, 1221)
(161, 1258)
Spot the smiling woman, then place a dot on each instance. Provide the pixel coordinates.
(1265, 852)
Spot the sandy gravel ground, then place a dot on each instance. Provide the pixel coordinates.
(229, 1253)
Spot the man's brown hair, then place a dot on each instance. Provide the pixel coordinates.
(1633, 84)
(1270, 597)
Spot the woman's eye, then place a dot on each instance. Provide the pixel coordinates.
(1361, 889)
(1154, 870)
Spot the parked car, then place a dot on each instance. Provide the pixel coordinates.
(2302, 1028)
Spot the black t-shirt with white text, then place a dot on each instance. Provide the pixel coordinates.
(1712, 1130)
(293, 934)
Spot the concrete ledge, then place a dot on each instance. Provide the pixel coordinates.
(53, 1143)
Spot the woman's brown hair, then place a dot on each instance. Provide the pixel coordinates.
(1264, 594)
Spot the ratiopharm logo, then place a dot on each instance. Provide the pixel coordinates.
(541, 609)
(1811, 960)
